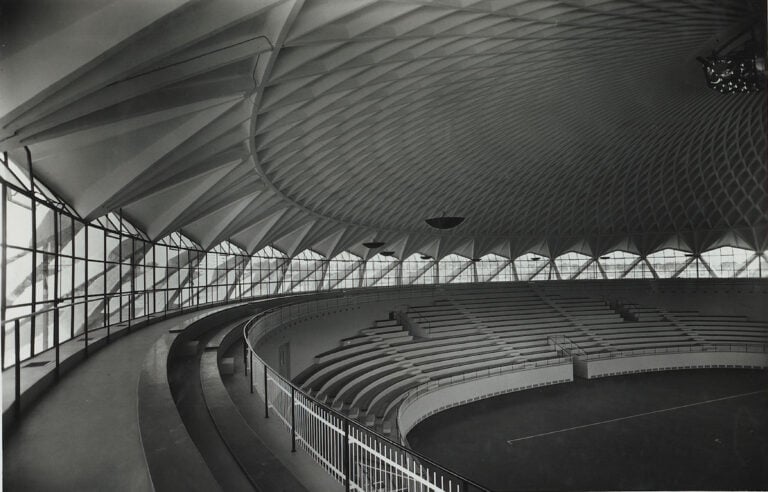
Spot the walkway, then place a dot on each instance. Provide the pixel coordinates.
(92, 408)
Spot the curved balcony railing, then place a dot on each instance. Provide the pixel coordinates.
(680, 349)
(356, 456)
(430, 387)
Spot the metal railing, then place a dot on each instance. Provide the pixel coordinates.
(356, 456)
(22, 323)
(565, 345)
(433, 386)
(680, 349)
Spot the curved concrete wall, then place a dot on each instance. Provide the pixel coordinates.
(424, 402)
(669, 361)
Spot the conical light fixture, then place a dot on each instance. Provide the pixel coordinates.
(444, 222)
(373, 244)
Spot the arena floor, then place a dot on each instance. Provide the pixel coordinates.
(692, 430)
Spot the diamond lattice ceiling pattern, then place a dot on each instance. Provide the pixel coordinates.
(322, 124)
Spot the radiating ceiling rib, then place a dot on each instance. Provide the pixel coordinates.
(212, 228)
(109, 184)
(549, 124)
(165, 207)
(253, 236)
(67, 51)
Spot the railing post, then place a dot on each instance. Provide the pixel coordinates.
(17, 367)
(245, 356)
(293, 419)
(251, 371)
(346, 456)
(266, 395)
(109, 321)
(56, 338)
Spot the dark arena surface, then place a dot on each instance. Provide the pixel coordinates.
(676, 430)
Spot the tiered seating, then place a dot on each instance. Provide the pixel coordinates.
(472, 329)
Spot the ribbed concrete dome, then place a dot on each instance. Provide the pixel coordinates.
(550, 125)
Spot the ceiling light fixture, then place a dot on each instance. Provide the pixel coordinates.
(373, 244)
(444, 222)
(737, 70)
(426, 257)
(387, 253)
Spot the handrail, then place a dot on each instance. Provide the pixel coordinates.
(744, 347)
(554, 339)
(347, 421)
(16, 322)
(51, 309)
(432, 386)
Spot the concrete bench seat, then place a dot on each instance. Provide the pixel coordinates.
(365, 394)
(368, 397)
(715, 330)
(501, 310)
(319, 371)
(335, 385)
(733, 324)
(670, 332)
(382, 330)
(333, 369)
(355, 340)
(425, 362)
(489, 320)
(657, 344)
(528, 321)
(372, 344)
(736, 338)
(730, 329)
(710, 317)
(346, 351)
(623, 329)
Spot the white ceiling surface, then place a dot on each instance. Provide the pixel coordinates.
(552, 125)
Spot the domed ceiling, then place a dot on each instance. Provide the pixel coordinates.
(322, 124)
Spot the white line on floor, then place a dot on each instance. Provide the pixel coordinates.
(510, 441)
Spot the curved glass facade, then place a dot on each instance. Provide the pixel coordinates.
(105, 272)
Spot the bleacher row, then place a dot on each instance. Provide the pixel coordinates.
(467, 330)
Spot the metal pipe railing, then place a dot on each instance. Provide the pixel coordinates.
(340, 445)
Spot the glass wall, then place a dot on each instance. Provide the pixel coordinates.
(77, 276)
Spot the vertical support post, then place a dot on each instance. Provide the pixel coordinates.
(72, 278)
(33, 318)
(251, 371)
(144, 276)
(105, 308)
(245, 356)
(17, 367)
(293, 419)
(56, 339)
(154, 279)
(56, 288)
(167, 282)
(3, 261)
(85, 291)
(120, 267)
(346, 456)
(266, 395)
(132, 272)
